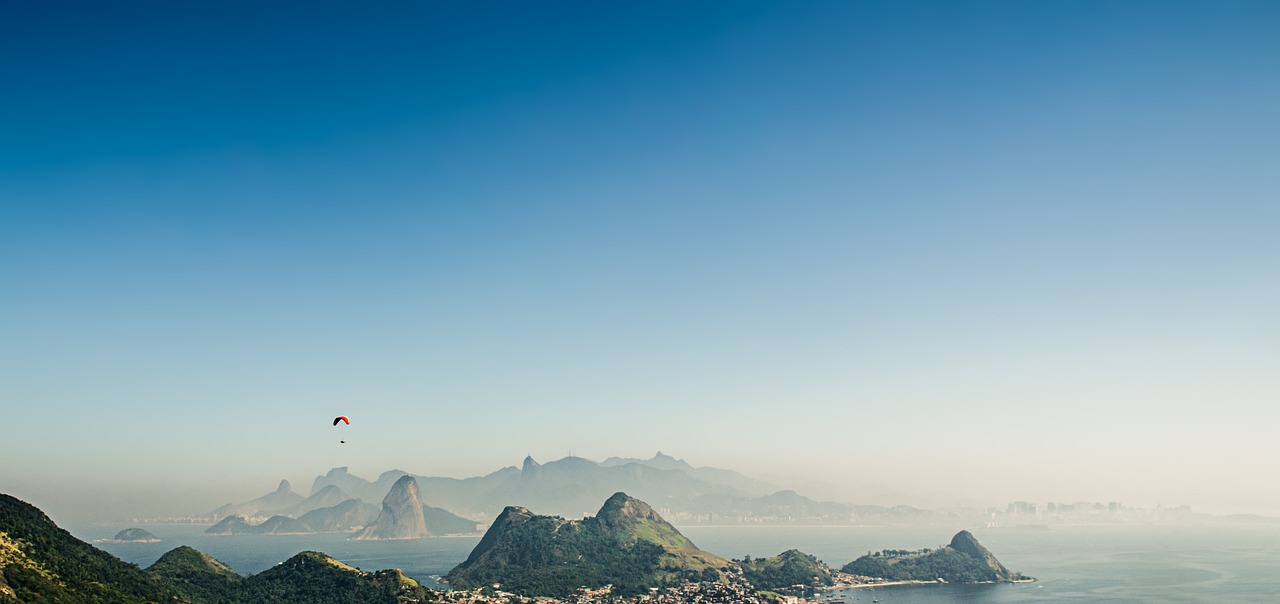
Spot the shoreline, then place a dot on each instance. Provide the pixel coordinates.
(917, 583)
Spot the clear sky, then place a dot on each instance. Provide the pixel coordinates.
(968, 251)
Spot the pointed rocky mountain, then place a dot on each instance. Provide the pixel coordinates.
(197, 575)
(40, 562)
(964, 560)
(530, 470)
(283, 497)
(402, 514)
(965, 543)
(627, 545)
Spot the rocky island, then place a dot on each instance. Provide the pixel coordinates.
(964, 560)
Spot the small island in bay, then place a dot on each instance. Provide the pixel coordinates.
(964, 560)
(134, 535)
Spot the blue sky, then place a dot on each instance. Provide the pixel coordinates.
(885, 241)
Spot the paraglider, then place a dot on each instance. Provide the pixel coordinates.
(343, 419)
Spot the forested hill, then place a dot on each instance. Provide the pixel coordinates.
(964, 560)
(42, 563)
(626, 545)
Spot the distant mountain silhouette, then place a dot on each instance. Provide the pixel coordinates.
(326, 497)
(348, 516)
(570, 486)
(273, 502)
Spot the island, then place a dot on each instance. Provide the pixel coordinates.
(964, 560)
(134, 535)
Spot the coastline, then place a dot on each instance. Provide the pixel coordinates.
(839, 587)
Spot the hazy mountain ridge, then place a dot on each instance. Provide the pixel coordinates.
(730, 478)
(572, 487)
(279, 499)
(402, 516)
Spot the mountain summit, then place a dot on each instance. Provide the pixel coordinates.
(965, 543)
(274, 501)
(402, 514)
(627, 545)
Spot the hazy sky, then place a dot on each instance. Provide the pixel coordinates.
(968, 251)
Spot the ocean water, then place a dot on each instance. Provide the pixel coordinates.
(1072, 564)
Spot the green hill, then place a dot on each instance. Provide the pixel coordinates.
(40, 562)
(963, 560)
(626, 545)
(792, 567)
(315, 578)
(197, 575)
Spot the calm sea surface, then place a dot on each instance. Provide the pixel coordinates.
(1073, 564)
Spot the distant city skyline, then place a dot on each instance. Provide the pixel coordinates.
(967, 252)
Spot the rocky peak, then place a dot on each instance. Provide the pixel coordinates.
(622, 509)
(402, 514)
(284, 487)
(965, 543)
(511, 516)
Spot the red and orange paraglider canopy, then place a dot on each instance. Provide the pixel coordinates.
(341, 418)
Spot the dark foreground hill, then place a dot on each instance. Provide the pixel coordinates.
(40, 562)
(964, 560)
(626, 545)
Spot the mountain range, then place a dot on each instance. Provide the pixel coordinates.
(573, 486)
(402, 516)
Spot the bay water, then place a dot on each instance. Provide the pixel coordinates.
(1090, 563)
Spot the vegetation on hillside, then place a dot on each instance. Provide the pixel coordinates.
(790, 568)
(964, 560)
(197, 575)
(626, 545)
(40, 562)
